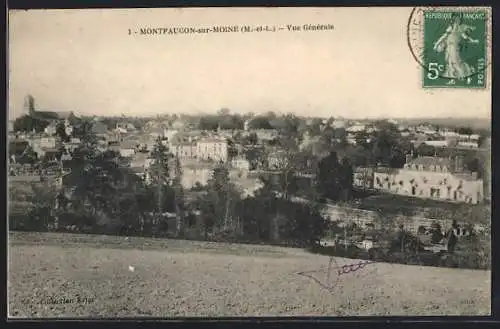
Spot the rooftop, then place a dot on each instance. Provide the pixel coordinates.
(129, 144)
(212, 140)
(427, 161)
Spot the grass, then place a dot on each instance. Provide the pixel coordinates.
(185, 278)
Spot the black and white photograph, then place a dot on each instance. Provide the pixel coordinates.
(249, 162)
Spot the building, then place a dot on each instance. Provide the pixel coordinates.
(265, 135)
(99, 128)
(241, 164)
(43, 142)
(363, 178)
(213, 149)
(432, 177)
(127, 148)
(356, 128)
(469, 145)
(72, 145)
(155, 132)
(169, 133)
(68, 128)
(338, 124)
(436, 143)
(278, 159)
(51, 129)
(246, 124)
(183, 149)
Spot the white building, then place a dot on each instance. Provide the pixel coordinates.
(431, 177)
(471, 145)
(215, 149)
(48, 142)
(337, 124)
(240, 163)
(437, 143)
(183, 149)
(356, 128)
(51, 129)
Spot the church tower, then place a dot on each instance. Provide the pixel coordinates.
(29, 105)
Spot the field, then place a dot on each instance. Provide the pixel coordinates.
(64, 275)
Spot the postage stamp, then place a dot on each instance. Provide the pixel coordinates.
(453, 46)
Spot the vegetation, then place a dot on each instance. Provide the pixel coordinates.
(101, 195)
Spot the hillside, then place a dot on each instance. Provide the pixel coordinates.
(91, 276)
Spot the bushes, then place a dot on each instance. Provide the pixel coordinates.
(37, 219)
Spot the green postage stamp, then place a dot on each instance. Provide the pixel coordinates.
(454, 50)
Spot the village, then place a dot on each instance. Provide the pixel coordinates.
(252, 151)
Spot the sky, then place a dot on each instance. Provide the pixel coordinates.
(85, 61)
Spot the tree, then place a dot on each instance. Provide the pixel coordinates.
(223, 112)
(465, 130)
(27, 123)
(426, 150)
(385, 139)
(256, 157)
(179, 196)
(208, 123)
(61, 132)
(29, 156)
(314, 129)
(220, 201)
(260, 122)
(83, 131)
(253, 139)
(328, 175)
(358, 156)
(399, 152)
(232, 149)
(159, 172)
(346, 178)
(101, 191)
(268, 216)
(472, 163)
(436, 232)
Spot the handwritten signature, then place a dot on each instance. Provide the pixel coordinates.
(340, 271)
(349, 268)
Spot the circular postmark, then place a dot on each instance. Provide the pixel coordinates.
(450, 43)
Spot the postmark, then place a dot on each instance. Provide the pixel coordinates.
(451, 45)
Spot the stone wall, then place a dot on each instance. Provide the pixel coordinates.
(364, 217)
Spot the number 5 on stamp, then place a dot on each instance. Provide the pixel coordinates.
(455, 48)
